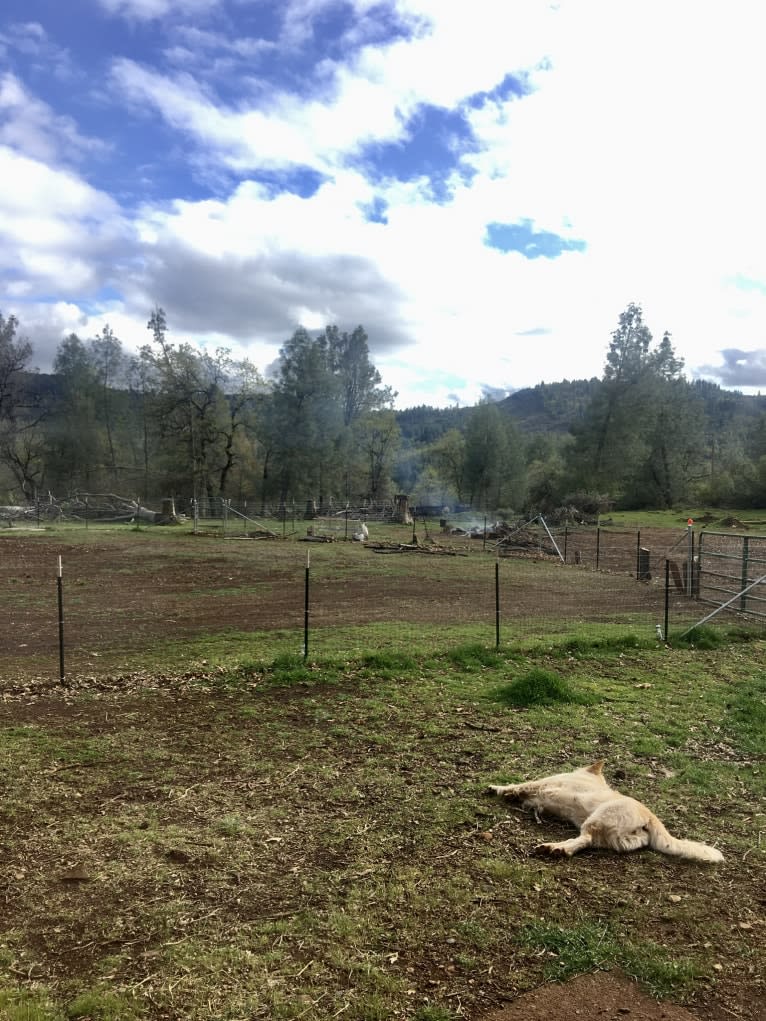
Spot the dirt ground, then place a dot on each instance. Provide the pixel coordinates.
(604, 996)
(137, 590)
(173, 760)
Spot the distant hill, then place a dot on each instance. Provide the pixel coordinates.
(551, 407)
(557, 407)
(547, 407)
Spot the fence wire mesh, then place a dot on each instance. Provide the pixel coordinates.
(132, 594)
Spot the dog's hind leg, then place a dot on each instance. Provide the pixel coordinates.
(565, 847)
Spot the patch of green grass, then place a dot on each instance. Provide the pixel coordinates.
(747, 719)
(388, 664)
(434, 1013)
(678, 517)
(103, 1005)
(647, 746)
(290, 669)
(230, 826)
(514, 874)
(474, 656)
(540, 687)
(701, 637)
(593, 946)
(23, 1005)
(604, 643)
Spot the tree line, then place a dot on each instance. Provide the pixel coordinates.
(173, 419)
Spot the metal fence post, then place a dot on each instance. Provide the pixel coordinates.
(598, 545)
(60, 593)
(667, 598)
(745, 565)
(497, 603)
(306, 607)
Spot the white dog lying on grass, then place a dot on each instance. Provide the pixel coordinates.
(605, 817)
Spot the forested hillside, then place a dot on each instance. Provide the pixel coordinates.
(173, 420)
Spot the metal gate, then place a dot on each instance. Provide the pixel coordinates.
(728, 565)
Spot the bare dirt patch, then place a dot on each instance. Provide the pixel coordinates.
(603, 996)
(134, 590)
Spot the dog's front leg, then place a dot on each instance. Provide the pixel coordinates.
(513, 791)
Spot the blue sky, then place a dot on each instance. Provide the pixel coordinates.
(483, 185)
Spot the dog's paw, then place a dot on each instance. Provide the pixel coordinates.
(550, 850)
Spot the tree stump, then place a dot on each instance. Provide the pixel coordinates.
(402, 513)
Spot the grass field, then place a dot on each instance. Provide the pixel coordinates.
(245, 833)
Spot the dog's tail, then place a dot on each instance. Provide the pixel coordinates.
(662, 841)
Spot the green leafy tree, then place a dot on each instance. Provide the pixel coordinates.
(494, 462)
(21, 411)
(447, 457)
(198, 421)
(376, 438)
(143, 383)
(674, 437)
(108, 362)
(546, 460)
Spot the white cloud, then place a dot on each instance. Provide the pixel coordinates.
(150, 10)
(291, 132)
(30, 126)
(30, 40)
(366, 100)
(57, 234)
(641, 138)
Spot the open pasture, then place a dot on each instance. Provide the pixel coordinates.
(203, 825)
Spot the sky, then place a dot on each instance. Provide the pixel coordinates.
(484, 185)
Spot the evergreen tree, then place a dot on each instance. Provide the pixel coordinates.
(75, 435)
(640, 439)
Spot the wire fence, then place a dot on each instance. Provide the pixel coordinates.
(127, 593)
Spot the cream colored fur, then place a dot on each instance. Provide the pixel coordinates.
(604, 817)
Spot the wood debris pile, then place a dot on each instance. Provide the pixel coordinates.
(431, 548)
(528, 540)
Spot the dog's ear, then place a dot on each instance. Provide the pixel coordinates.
(596, 767)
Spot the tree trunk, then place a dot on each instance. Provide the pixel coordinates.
(402, 513)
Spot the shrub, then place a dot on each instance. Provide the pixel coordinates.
(540, 687)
